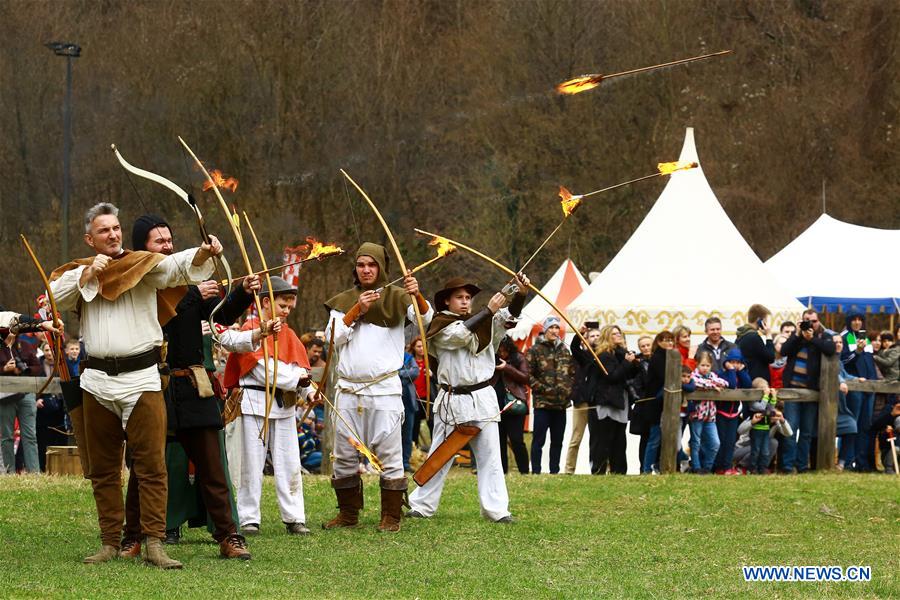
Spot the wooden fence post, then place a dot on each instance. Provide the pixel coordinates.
(671, 421)
(829, 388)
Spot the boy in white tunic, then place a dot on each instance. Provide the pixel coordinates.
(368, 321)
(248, 371)
(464, 345)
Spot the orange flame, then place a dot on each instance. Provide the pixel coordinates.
(568, 201)
(318, 249)
(579, 84)
(670, 167)
(373, 460)
(444, 247)
(229, 183)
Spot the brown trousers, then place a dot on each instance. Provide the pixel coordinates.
(77, 417)
(202, 448)
(146, 432)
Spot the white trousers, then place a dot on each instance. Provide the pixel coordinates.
(286, 462)
(234, 443)
(491, 482)
(379, 429)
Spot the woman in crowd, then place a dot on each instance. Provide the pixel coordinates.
(611, 398)
(652, 409)
(637, 392)
(417, 349)
(50, 420)
(510, 379)
(409, 373)
(682, 335)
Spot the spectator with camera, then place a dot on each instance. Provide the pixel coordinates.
(551, 371)
(714, 344)
(19, 359)
(583, 389)
(804, 352)
(857, 357)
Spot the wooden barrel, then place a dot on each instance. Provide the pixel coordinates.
(63, 460)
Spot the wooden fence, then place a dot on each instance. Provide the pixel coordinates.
(826, 396)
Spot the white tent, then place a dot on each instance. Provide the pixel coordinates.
(684, 263)
(565, 285)
(819, 268)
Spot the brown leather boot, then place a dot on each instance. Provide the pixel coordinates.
(105, 554)
(234, 546)
(156, 555)
(350, 501)
(131, 548)
(393, 499)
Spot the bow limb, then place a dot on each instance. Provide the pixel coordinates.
(512, 274)
(234, 223)
(405, 271)
(262, 259)
(56, 339)
(220, 262)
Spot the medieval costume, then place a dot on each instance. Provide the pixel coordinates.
(121, 322)
(464, 346)
(194, 423)
(370, 351)
(247, 370)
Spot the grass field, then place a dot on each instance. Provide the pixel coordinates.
(575, 537)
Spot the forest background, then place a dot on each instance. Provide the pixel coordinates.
(444, 111)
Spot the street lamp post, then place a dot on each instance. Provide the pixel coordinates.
(70, 51)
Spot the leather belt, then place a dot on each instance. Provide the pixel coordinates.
(116, 365)
(279, 395)
(462, 390)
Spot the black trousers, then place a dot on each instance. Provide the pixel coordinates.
(607, 445)
(512, 428)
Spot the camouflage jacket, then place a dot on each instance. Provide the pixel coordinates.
(552, 373)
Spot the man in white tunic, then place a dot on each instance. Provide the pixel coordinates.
(464, 345)
(123, 298)
(368, 321)
(248, 371)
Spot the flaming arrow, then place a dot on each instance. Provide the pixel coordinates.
(445, 248)
(570, 202)
(584, 83)
(512, 274)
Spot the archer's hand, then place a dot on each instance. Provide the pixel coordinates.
(410, 284)
(367, 298)
(206, 250)
(251, 284)
(208, 289)
(101, 261)
(496, 302)
(270, 327)
(50, 327)
(523, 282)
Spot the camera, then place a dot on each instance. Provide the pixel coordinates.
(806, 325)
(764, 408)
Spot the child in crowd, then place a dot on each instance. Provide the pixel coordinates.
(762, 417)
(888, 357)
(728, 413)
(702, 416)
(651, 454)
(778, 428)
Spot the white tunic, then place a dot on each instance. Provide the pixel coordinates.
(125, 327)
(253, 402)
(367, 352)
(458, 365)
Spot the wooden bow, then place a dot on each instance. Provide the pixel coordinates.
(405, 271)
(59, 360)
(235, 223)
(262, 258)
(512, 274)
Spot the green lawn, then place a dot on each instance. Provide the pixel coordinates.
(576, 537)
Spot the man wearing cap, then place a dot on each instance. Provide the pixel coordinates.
(368, 321)
(248, 371)
(552, 372)
(464, 344)
(193, 411)
(123, 299)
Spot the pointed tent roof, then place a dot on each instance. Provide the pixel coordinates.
(565, 285)
(685, 262)
(820, 253)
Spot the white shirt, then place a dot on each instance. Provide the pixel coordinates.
(127, 326)
(458, 365)
(253, 402)
(368, 351)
